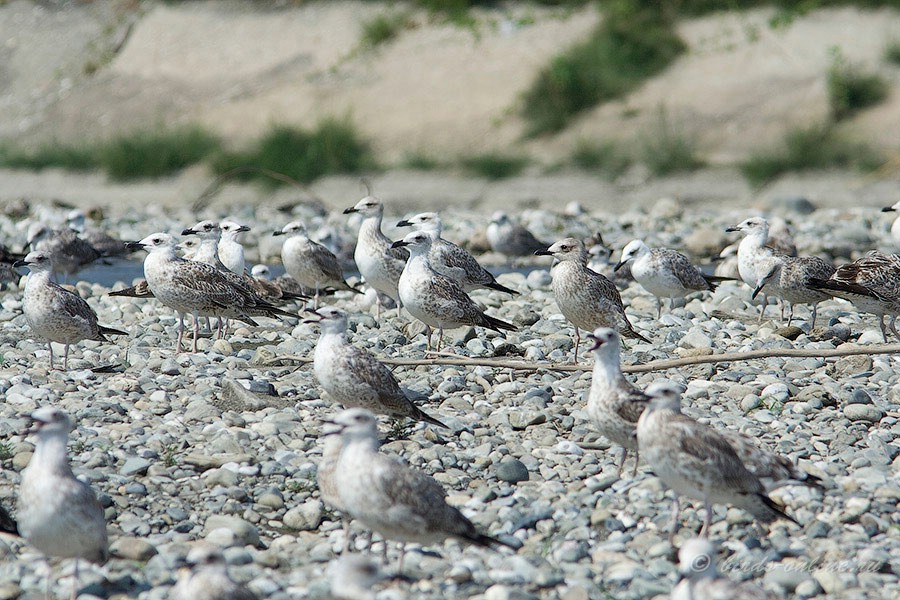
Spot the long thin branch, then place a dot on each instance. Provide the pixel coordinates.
(443, 358)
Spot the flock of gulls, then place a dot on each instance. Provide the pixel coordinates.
(431, 279)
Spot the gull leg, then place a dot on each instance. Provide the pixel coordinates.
(659, 307)
(707, 520)
(883, 326)
(812, 323)
(637, 461)
(790, 313)
(622, 460)
(673, 526)
(894, 328)
(377, 306)
(577, 341)
(316, 299)
(66, 357)
(180, 332)
(400, 562)
(399, 308)
(762, 311)
(75, 583)
(440, 338)
(50, 346)
(346, 523)
(427, 338)
(196, 332)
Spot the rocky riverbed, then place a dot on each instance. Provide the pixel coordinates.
(223, 445)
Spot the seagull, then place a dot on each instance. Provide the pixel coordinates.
(511, 239)
(695, 460)
(105, 243)
(58, 513)
(434, 299)
(396, 501)
(378, 262)
(230, 250)
(138, 290)
(197, 288)
(325, 479)
(586, 299)
(665, 273)
(895, 226)
(56, 314)
(69, 252)
(753, 255)
(699, 579)
(208, 579)
(452, 261)
(789, 277)
(274, 291)
(355, 378)
(614, 404)
(311, 264)
(871, 283)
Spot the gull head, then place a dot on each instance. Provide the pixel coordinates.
(36, 261)
(418, 242)
(664, 394)
(50, 420)
(634, 249)
(356, 423)
(329, 318)
(697, 559)
(427, 221)
(154, 242)
(605, 340)
(261, 271)
(207, 228)
(232, 230)
(368, 206)
(294, 227)
(566, 249)
(751, 225)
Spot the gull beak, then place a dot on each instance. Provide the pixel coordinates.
(134, 245)
(399, 244)
(243, 228)
(619, 265)
(543, 253)
(350, 210)
(188, 231)
(277, 233)
(732, 229)
(757, 290)
(404, 223)
(597, 342)
(888, 209)
(19, 264)
(312, 312)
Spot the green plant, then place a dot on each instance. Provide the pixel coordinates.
(850, 91)
(82, 158)
(892, 52)
(150, 153)
(494, 166)
(604, 157)
(383, 28)
(421, 162)
(332, 147)
(170, 455)
(634, 41)
(667, 149)
(814, 147)
(6, 451)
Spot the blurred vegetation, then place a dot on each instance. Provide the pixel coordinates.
(850, 90)
(144, 153)
(631, 43)
(815, 147)
(892, 53)
(334, 146)
(605, 158)
(494, 166)
(667, 149)
(383, 28)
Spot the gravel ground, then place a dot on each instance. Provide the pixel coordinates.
(223, 445)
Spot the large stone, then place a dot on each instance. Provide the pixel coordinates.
(305, 517)
(244, 531)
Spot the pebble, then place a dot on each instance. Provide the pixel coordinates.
(511, 470)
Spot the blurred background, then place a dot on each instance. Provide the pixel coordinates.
(477, 103)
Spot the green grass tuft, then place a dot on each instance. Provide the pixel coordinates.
(815, 147)
(606, 158)
(156, 153)
(421, 162)
(332, 147)
(850, 91)
(81, 158)
(892, 53)
(383, 28)
(494, 166)
(631, 44)
(668, 150)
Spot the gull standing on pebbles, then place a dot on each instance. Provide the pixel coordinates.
(230, 249)
(753, 255)
(313, 265)
(699, 579)
(665, 273)
(614, 404)
(396, 501)
(207, 578)
(59, 514)
(355, 378)
(56, 314)
(325, 479)
(586, 298)
(195, 288)
(378, 262)
(693, 459)
(434, 299)
(452, 261)
(511, 239)
(788, 277)
(871, 283)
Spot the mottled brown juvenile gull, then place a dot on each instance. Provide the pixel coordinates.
(699, 579)
(510, 238)
(230, 249)
(355, 378)
(274, 291)
(68, 252)
(788, 277)
(207, 251)
(378, 262)
(195, 288)
(614, 404)
(665, 273)
(434, 299)
(59, 514)
(138, 290)
(871, 283)
(450, 260)
(310, 263)
(104, 242)
(586, 298)
(694, 460)
(207, 578)
(54, 313)
(394, 500)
